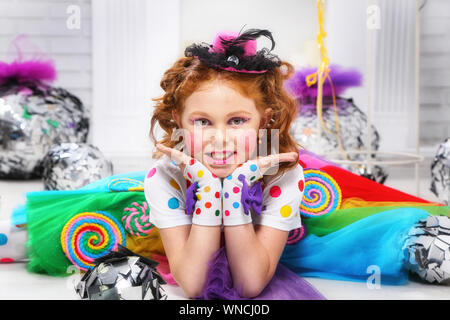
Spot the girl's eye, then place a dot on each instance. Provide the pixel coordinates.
(238, 121)
(201, 122)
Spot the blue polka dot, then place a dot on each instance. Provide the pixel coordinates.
(3, 239)
(229, 177)
(173, 203)
(173, 162)
(226, 195)
(235, 205)
(253, 167)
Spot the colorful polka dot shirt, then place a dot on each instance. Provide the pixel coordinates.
(166, 188)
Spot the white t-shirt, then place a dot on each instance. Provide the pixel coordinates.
(165, 190)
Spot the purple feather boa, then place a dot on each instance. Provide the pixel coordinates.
(36, 67)
(342, 79)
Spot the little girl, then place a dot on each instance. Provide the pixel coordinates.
(220, 96)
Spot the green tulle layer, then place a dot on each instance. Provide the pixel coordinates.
(48, 212)
(326, 224)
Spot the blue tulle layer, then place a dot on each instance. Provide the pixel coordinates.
(358, 250)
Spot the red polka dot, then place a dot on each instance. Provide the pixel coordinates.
(189, 175)
(300, 162)
(151, 172)
(227, 213)
(6, 260)
(192, 161)
(236, 189)
(301, 185)
(213, 175)
(217, 194)
(208, 205)
(275, 191)
(198, 211)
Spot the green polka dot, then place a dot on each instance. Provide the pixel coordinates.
(217, 213)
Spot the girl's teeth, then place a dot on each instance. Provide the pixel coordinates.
(221, 156)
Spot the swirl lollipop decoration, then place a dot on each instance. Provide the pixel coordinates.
(322, 194)
(136, 219)
(296, 235)
(91, 235)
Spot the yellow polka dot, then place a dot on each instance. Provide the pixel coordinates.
(285, 211)
(174, 184)
(200, 173)
(207, 189)
(199, 197)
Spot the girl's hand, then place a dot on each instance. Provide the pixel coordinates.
(180, 158)
(240, 192)
(273, 160)
(203, 197)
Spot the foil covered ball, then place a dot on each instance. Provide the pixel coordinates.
(70, 166)
(122, 275)
(428, 245)
(440, 173)
(350, 125)
(32, 119)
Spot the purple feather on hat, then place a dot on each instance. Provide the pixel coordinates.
(342, 80)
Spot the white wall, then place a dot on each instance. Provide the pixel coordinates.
(293, 24)
(45, 23)
(174, 24)
(435, 71)
(134, 42)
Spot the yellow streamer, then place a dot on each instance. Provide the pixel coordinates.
(319, 77)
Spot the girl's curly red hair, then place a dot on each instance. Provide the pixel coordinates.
(266, 89)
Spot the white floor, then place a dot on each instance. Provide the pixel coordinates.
(17, 283)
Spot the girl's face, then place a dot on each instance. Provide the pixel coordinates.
(220, 127)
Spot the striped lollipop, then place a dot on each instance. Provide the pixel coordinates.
(296, 235)
(136, 219)
(321, 195)
(90, 235)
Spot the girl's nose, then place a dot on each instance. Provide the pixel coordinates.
(219, 137)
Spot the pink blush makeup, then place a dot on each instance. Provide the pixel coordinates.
(194, 143)
(247, 143)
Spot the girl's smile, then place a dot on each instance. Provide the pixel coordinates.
(221, 127)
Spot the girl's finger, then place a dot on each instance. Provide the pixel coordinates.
(275, 159)
(177, 156)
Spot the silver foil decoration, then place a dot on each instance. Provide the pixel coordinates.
(352, 125)
(428, 245)
(32, 120)
(70, 166)
(440, 173)
(122, 275)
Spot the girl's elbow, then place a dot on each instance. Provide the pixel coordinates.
(190, 286)
(192, 291)
(253, 290)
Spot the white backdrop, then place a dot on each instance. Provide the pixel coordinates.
(134, 42)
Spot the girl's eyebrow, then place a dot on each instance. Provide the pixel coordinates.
(201, 113)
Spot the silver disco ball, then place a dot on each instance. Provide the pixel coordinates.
(440, 173)
(33, 120)
(70, 166)
(352, 134)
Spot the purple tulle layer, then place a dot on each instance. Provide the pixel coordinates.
(285, 284)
